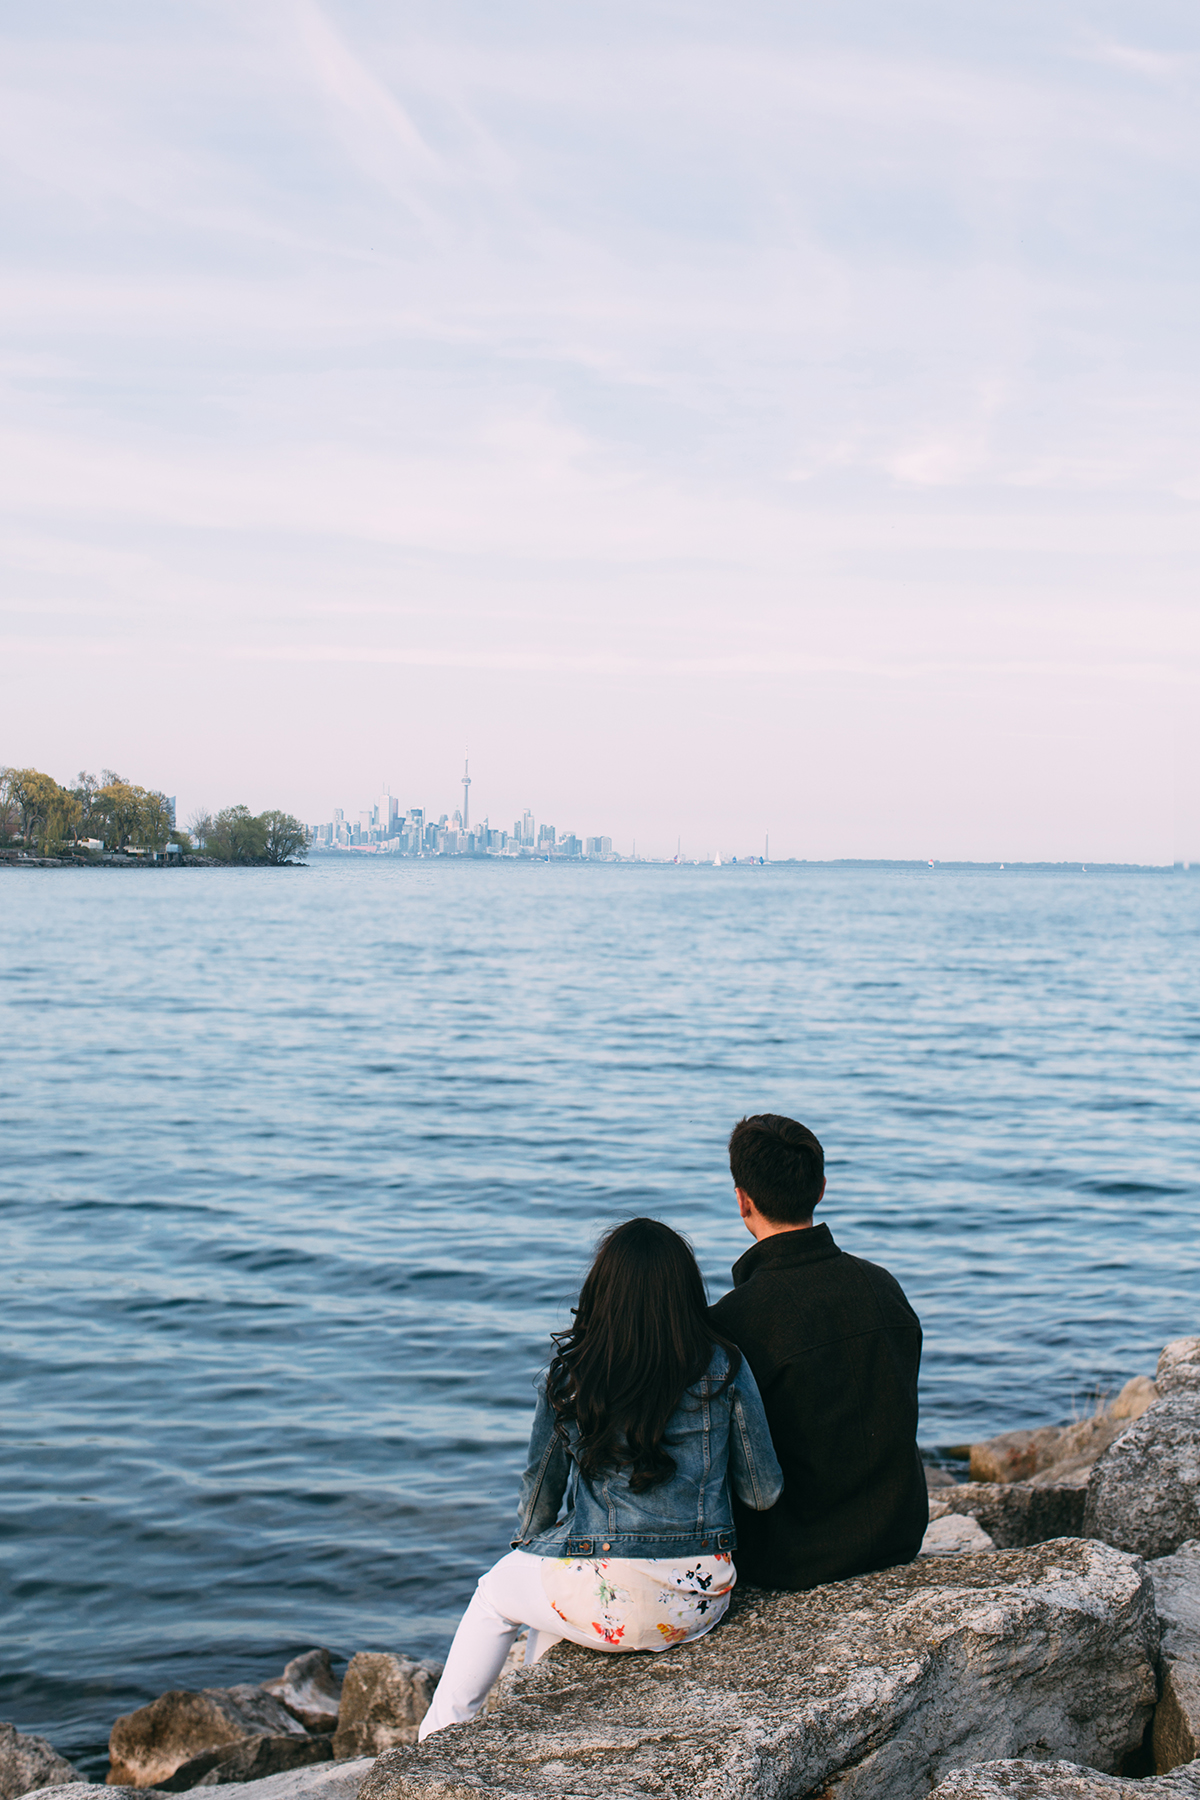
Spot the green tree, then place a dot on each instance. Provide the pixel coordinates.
(46, 813)
(154, 820)
(284, 837)
(116, 809)
(10, 814)
(85, 789)
(237, 836)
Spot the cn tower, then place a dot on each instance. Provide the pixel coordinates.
(466, 781)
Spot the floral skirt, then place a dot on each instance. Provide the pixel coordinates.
(639, 1603)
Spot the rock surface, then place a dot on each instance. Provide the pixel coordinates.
(1179, 1367)
(309, 1689)
(30, 1762)
(1020, 1780)
(1135, 1398)
(384, 1699)
(1177, 1596)
(1144, 1493)
(1013, 1455)
(249, 1760)
(1055, 1453)
(148, 1745)
(952, 1534)
(1017, 1514)
(1059, 1454)
(1176, 1736)
(325, 1781)
(870, 1689)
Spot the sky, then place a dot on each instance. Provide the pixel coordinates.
(717, 421)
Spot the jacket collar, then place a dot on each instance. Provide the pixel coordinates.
(786, 1250)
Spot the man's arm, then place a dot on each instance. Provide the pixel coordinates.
(754, 1470)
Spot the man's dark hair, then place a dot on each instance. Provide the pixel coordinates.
(780, 1164)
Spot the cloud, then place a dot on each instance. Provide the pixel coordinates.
(830, 346)
(369, 121)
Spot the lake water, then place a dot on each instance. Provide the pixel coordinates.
(302, 1166)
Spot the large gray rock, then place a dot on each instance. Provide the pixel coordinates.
(1020, 1780)
(1179, 1367)
(1017, 1514)
(30, 1762)
(148, 1745)
(1176, 1581)
(869, 1689)
(249, 1760)
(1144, 1493)
(325, 1781)
(309, 1689)
(384, 1699)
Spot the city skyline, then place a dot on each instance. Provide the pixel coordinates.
(385, 826)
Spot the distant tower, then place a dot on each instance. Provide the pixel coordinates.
(466, 781)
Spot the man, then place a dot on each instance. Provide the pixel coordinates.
(835, 1348)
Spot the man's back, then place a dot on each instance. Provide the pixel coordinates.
(835, 1349)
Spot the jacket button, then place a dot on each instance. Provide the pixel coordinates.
(606, 1546)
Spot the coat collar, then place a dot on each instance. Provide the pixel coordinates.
(786, 1250)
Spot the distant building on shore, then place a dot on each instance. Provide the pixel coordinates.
(384, 830)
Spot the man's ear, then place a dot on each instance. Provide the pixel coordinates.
(745, 1203)
(820, 1196)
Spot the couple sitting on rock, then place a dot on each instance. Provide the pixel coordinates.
(779, 1425)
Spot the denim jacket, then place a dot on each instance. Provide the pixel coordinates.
(715, 1436)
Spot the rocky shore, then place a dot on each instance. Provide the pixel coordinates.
(1044, 1646)
(103, 859)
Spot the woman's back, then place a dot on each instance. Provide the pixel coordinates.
(716, 1437)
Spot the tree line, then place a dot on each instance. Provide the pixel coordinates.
(37, 812)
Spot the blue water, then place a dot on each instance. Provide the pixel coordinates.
(302, 1166)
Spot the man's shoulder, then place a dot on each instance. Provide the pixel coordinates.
(832, 1288)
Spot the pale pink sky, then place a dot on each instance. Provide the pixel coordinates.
(725, 420)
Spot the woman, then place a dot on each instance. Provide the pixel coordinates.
(644, 1419)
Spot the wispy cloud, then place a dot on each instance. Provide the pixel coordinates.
(688, 341)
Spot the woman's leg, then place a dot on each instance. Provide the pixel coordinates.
(508, 1596)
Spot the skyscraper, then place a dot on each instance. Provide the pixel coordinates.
(466, 781)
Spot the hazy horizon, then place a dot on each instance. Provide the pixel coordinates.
(719, 425)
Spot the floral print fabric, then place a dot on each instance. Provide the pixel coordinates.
(638, 1603)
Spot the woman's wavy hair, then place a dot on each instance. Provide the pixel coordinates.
(641, 1336)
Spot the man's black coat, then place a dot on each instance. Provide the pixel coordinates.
(835, 1349)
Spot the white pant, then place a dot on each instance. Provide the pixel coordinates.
(508, 1596)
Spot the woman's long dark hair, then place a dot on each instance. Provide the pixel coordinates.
(641, 1336)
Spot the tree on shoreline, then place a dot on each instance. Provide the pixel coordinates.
(286, 837)
(36, 811)
(45, 813)
(237, 835)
